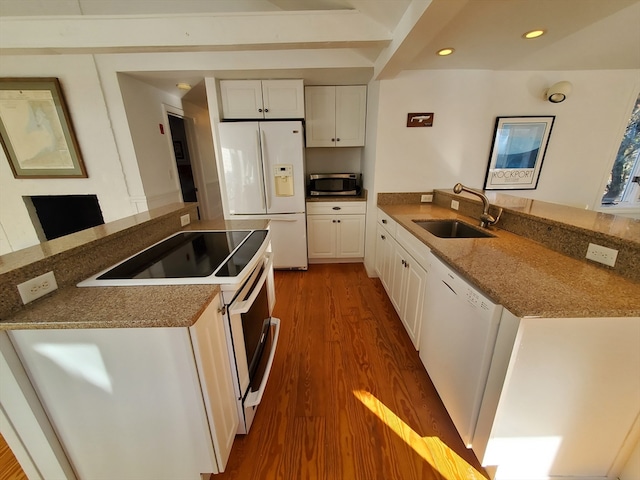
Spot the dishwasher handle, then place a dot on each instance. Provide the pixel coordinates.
(450, 287)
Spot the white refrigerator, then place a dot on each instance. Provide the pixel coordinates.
(262, 169)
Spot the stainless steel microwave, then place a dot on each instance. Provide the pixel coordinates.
(334, 184)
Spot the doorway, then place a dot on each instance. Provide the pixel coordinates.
(183, 159)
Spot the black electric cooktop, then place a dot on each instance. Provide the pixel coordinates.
(192, 254)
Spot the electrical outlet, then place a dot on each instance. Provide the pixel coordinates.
(37, 287)
(185, 220)
(426, 198)
(601, 254)
(455, 204)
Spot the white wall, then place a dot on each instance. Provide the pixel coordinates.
(81, 86)
(205, 164)
(631, 470)
(145, 113)
(369, 174)
(586, 134)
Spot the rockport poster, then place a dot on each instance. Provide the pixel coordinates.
(517, 152)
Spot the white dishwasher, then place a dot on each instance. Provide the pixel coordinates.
(456, 344)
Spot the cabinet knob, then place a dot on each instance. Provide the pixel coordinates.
(260, 110)
(337, 139)
(384, 221)
(383, 237)
(333, 139)
(337, 208)
(403, 262)
(338, 221)
(266, 110)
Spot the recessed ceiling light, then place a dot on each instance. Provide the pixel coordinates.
(183, 86)
(533, 34)
(445, 51)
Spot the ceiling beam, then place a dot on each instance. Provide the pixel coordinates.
(208, 32)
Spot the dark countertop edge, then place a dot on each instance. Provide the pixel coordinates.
(498, 296)
(338, 198)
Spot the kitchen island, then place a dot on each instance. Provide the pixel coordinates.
(135, 366)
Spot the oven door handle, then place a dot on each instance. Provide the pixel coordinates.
(245, 305)
(254, 398)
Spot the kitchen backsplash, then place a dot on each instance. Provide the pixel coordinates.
(77, 256)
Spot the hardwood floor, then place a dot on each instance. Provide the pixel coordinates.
(9, 466)
(348, 397)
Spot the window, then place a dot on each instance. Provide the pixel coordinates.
(623, 186)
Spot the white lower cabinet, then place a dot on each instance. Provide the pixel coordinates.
(402, 276)
(136, 403)
(335, 230)
(562, 398)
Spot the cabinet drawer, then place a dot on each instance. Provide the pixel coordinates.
(414, 247)
(336, 208)
(387, 223)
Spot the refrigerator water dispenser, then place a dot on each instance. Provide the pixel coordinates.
(283, 175)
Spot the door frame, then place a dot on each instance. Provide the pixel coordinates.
(194, 156)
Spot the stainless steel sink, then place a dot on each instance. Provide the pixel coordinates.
(452, 229)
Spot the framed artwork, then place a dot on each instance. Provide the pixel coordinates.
(178, 150)
(35, 130)
(517, 152)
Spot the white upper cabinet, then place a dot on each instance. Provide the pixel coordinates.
(336, 115)
(258, 99)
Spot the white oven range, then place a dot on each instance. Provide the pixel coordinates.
(241, 262)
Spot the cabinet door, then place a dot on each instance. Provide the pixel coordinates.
(397, 277)
(351, 111)
(283, 98)
(241, 98)
(320, 103)
(322, 236)
(387, 267)
(214, 371)
(131, 392)
(413, 301)
(381, 241)
(350, 236)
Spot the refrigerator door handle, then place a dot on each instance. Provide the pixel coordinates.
(259, 152)
(267, 179)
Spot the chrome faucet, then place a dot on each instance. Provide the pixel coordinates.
(485, 219)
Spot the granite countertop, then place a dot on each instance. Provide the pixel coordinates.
(525, 277)
(125, 307)
(115, 307)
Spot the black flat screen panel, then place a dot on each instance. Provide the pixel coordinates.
(185, 255)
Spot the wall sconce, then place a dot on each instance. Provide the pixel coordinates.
(558, 92)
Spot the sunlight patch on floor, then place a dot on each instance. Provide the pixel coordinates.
(433, 450)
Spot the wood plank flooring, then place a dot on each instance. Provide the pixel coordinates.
(9, 467)
(348, 397)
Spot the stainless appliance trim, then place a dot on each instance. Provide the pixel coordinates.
(316, 176)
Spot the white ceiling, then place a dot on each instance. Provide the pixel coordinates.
(487, 34)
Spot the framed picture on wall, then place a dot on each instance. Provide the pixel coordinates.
(517, 152)
(35, 130)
